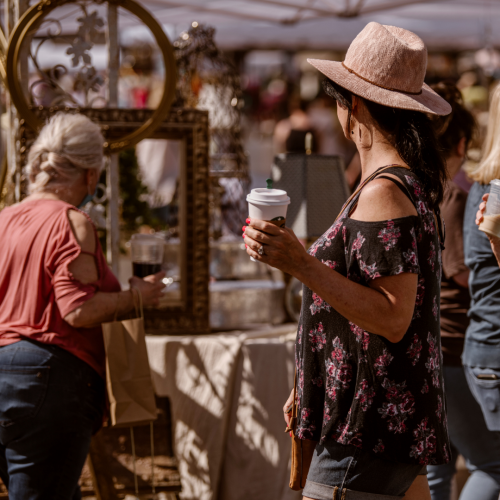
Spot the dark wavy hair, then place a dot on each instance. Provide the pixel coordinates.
(411, 133)
(458, 124)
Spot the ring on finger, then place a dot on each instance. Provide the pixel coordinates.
(260, 251)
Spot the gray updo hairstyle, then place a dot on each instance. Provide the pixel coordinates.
(66, 145)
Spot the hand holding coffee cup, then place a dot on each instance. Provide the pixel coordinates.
(490, 212)
(267, 239)
(275, 246)
(268, 205)
(481, 209)
(480, 221)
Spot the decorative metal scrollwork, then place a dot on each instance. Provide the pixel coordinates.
(202, 64)
(88, 81)
(199, 59)
(3, 51)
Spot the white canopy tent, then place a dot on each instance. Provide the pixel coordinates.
(332, 24)
(315, 25)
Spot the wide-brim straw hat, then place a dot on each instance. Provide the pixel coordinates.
(386, 65)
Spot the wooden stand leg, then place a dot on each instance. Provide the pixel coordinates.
(103, 482)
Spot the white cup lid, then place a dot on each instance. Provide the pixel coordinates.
(269, 196)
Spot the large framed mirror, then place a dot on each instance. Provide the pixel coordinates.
(174, 161)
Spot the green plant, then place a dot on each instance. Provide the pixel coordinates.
(135, 210)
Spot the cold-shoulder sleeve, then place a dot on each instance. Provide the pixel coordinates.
(62, 250)
(382, 248)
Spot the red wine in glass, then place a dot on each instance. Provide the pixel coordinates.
(143, 269)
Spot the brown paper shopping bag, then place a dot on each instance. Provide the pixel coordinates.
(128, 377)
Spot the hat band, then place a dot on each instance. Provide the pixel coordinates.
(378, 85)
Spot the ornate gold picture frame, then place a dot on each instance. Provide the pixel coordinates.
(190, 314)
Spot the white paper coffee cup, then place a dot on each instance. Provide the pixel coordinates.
(491, 219)
(269, 205)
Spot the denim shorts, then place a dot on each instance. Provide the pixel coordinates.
(346, 472)
(486, 391)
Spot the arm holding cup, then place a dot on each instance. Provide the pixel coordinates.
(366, 306)
(494, 240)
(102, 307)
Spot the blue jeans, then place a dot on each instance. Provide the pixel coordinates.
(50, 404)
(487, 393)
(344, 471)
(471, 438)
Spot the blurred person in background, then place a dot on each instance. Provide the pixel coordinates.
(474, 94)
(330, 135)
(481, 356)
(467, 429)
(290, 133)
(493, 147)
(55, 291)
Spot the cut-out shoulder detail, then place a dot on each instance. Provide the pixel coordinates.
(380, 200)
(83, 268)
(83, 230)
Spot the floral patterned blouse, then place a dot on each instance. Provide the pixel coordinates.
(357, 387)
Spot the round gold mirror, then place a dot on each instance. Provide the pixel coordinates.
(35, 16)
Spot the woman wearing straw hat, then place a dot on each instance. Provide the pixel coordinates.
(369, 379)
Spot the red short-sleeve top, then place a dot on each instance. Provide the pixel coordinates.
(37, 290)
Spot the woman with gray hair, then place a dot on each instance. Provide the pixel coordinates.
(55, 291)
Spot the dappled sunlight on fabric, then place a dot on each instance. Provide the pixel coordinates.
(249, 428)
(193, 464)
(194, 383)
(226, 393)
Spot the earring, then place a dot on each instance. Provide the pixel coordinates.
(352, 132)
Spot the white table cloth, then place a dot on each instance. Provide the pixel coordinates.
(226, 393)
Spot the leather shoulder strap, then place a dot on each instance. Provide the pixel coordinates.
(293, 418)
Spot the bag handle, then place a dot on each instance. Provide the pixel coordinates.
(115, 317)
(293, 418)
(139, 311)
